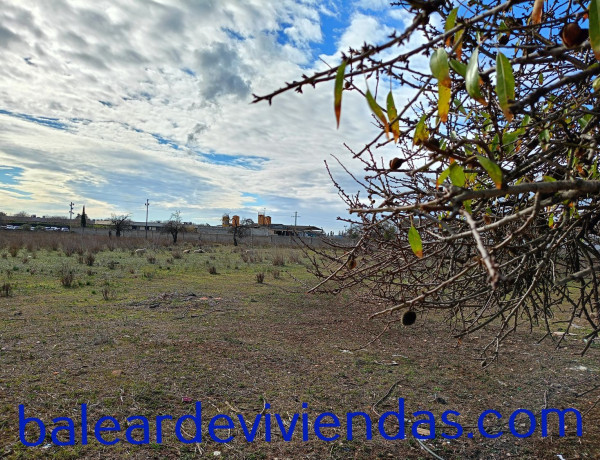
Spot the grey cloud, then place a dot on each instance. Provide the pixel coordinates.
(198, 129)
(7, 36)
(220, 67)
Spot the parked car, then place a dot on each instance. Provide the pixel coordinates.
(64, 229)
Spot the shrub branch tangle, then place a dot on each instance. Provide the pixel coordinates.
(492, 189)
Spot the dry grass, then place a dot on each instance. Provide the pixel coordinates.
(151, 340)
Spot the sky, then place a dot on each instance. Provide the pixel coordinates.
(110, 103)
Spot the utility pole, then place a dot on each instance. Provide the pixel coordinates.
(295, 216)
(71, 215)
(147, 204)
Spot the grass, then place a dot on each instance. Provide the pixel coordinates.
(135, 337)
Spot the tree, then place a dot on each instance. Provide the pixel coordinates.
(174, 226)
(120, 223)
(83, 218)
(242, 230)
(492, 185)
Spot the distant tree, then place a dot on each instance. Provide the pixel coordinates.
(241, 231)
(174, 226)
(83, 219)
(22, 214)
(119, 223)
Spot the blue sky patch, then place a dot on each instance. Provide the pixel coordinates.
(44, 121)
(247, 161)
(9, 176)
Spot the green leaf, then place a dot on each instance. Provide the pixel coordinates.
(378, 112)
(439, 66)
(337, 91)
(451, 20)
(459, 67)
(472, 77)
(505, 84)
(421, 131)
(594, 17)
(584, 120)
(392, 114)
(457, 175)
(548, 179)
(596, 84)
(467, 205)
(551, 220)
(441, 71)
(460, 107)
(442, 177)
(414, 239)
(492, 169)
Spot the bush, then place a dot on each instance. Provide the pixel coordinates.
(6, 289)
(90, 258)
(66, 275)
(278, 260)
(14, 250)
(107, 293)
(260, 277)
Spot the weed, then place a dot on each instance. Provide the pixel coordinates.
(276, 274)
(260, 277)
(90, 258)
(107, 293)
(151, 259)
(278, 260)
(212, 270)
(66, 275)
(14, 250)
(6, 289)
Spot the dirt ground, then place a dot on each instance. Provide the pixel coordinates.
(161, 342)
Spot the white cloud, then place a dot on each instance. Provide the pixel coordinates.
(132, 78)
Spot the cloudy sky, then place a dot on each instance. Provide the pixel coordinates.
(109, 103)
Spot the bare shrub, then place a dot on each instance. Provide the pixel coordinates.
(90, 258)
(14, 250)
(278, 259)
(212, 270)
(108, 293)
(6, 289)
(151, 259)
(66, 275)
(260, 277)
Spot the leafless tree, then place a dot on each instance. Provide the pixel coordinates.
(242, 230)
(120, 223)
(174, 226)
(493, 186)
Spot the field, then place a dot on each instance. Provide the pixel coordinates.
(90, 320)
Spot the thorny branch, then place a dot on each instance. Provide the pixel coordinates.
(523, 251)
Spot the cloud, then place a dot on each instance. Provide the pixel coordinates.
(113, 102)
(221, 73)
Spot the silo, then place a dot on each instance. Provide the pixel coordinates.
(261, 219)
(267, 220)
(225, 220)
(235, 221)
